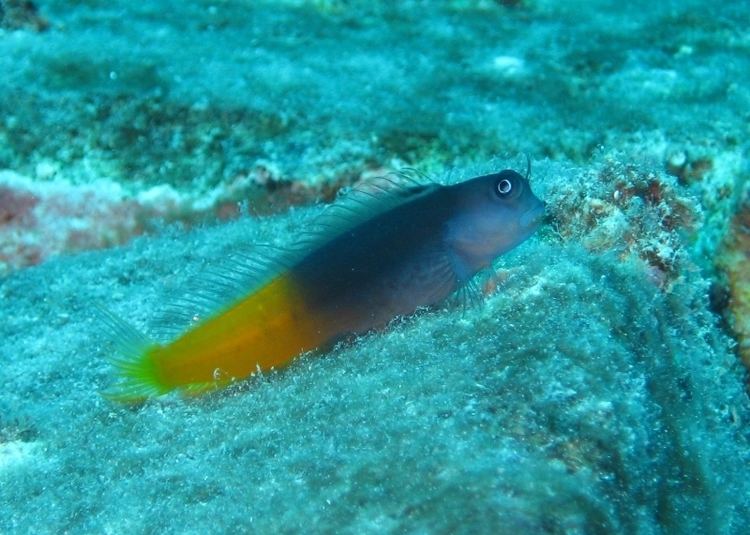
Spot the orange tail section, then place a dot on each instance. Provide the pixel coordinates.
(267, 329)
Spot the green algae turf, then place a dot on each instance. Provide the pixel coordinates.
(148, 94)
(579, 398)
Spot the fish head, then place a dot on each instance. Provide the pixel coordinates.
(491, 215)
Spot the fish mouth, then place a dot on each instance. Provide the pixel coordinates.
(533, 216)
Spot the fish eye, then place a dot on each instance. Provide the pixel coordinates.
(503, 187)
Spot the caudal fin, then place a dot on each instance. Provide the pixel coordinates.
(137, 374)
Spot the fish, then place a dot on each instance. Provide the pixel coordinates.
(382, 253)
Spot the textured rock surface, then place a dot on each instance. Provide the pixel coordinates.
(200, 97)
(595, 392)
(581, 397)
(734, 263)
(17, 14)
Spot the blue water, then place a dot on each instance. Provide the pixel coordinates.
(597, 390)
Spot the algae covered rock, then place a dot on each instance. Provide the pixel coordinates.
(18, 14)
(592, 390)
(626, 207)
(734, 263)
(580, 397)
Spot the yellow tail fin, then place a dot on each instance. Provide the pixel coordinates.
(138, 378)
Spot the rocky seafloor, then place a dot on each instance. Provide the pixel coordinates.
(599, 389)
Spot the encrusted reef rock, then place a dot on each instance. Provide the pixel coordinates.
(580, 398)
(43, 217)
(734, 261)
(627, 208)
(673, 221)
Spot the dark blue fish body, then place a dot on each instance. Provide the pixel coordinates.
(419, 251)
(412, 247)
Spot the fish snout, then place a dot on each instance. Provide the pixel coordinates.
(533, 216)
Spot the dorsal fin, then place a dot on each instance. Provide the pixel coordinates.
(219, 286)
(362, 202)
(251, 267)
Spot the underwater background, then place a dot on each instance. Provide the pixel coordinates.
(600, 389)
